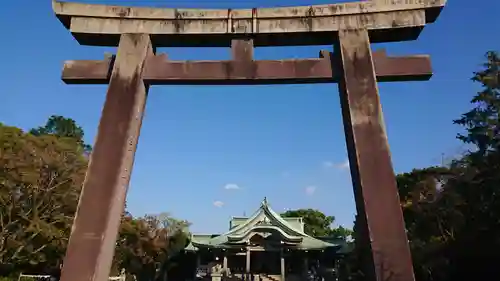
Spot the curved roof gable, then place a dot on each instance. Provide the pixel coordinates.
(264, 219)
(265, 216)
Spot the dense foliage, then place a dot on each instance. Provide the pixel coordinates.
(318, 224)
(452, 213)
(40, 181)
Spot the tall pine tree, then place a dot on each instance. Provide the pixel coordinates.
(482, 123)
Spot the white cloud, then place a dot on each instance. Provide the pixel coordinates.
(340, 166)
(310, 190)
(232, 186)
(328, 164)
(344, 165)
(218, 204)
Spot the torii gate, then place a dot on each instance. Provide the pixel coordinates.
(350, 27)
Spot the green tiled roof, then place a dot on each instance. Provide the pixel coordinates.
(264, 219)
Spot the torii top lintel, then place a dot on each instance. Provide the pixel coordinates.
(386, 20)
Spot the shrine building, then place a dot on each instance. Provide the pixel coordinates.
(265, 247)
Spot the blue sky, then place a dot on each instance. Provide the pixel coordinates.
(236, 144)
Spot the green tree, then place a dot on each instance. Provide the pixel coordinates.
(482, 122)
(431, 217)
(146, 245)
(451, 213)
(40, 182)
(316, 223)
(478, 180)
(64, 128)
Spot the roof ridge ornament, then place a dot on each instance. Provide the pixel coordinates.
(264, 202)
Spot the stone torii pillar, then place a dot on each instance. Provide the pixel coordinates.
(95, 228)
(351, 27)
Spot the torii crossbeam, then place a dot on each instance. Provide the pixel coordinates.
(159, 71)
(350, 27)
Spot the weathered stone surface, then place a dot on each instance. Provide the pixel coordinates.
(102, 199)
(387, 20)
(380, 218)
(242, 70)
